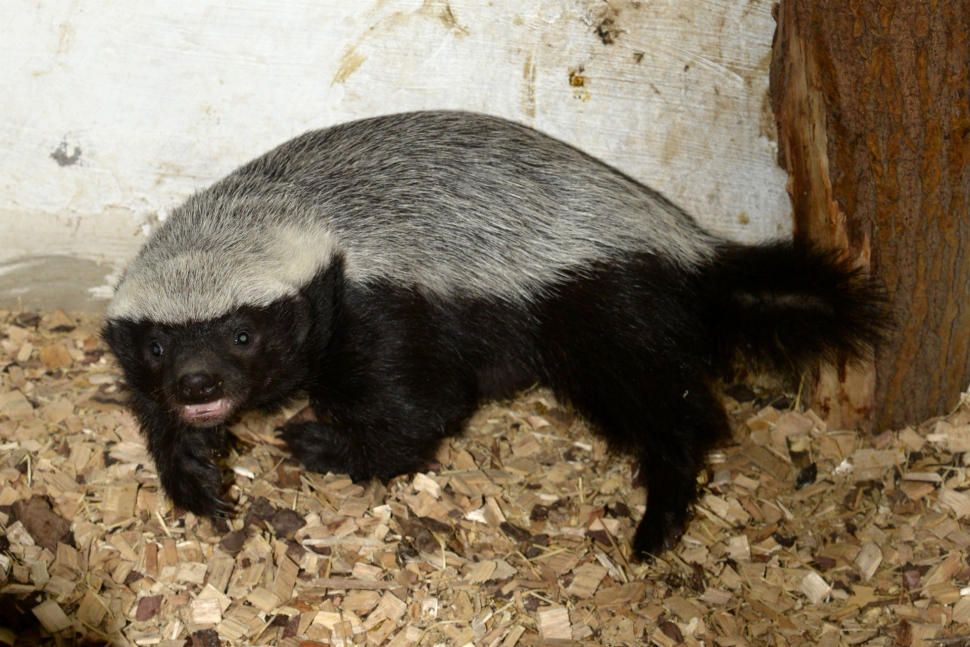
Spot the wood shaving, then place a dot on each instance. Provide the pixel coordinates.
(520, 538)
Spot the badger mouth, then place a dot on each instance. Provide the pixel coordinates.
(207, 414)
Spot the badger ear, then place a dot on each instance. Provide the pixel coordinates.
(108, 332)
(123, 336)
(114, 334)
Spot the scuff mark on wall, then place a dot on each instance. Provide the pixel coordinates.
(67, 30)
(529, 91)
(65, 37)
(441, 9)
(61, 156)
(348, 65)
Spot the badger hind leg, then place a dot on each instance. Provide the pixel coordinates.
(668, 422)
(626, 346)
(670, 457)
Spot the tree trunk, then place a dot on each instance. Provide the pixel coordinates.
(872, 103)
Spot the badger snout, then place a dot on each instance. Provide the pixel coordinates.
(202, 399)
(199, 387)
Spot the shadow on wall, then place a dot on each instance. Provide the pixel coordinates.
(47, 283)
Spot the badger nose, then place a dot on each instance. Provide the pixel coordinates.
(199, 387)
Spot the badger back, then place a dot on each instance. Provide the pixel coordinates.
(447, 203)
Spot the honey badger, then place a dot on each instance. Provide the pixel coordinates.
(403, 269)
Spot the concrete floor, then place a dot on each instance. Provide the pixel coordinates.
(46, 283)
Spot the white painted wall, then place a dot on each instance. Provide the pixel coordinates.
(112, 112)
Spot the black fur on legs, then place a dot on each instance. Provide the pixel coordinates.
(390, 371)
(629, 345)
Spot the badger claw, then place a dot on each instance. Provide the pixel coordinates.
(194, 483)
(219, 508)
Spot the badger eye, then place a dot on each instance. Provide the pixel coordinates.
(243, 338)
(157, 349)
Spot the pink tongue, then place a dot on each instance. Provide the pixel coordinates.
(212, 409)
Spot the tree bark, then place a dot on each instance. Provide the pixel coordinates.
(872, 103)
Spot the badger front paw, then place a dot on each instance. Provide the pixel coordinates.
(194, 483)
(321, 448)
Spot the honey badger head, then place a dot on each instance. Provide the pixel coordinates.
(203, 372)
(208, 319)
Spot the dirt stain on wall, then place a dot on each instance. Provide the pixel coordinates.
(441, 9)
(578, 82)
(602, 16)
(63, 158)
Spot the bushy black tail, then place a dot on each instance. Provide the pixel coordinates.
(784, 306)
